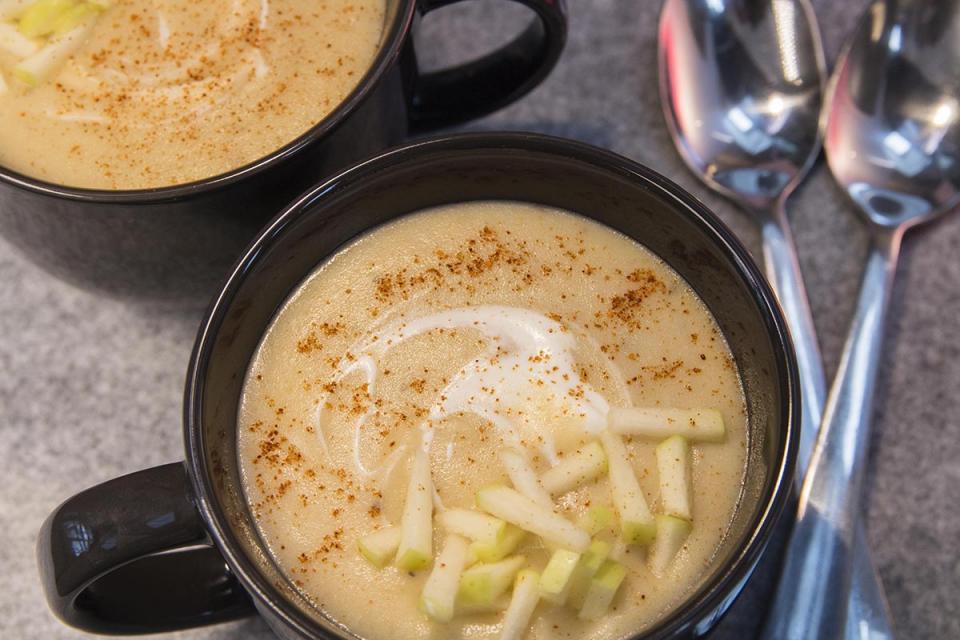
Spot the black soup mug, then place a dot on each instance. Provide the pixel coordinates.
(173, 245)
(98, 552)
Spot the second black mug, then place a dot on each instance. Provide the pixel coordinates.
(172, 245)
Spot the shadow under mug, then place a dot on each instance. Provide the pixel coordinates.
(177, 546)
(173, 245)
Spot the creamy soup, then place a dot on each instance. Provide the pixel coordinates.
(152, 93)
(487, 381)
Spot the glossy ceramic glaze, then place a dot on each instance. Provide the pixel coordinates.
(556, 173)
(174, 245)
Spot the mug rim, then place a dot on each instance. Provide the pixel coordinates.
(394, 35)
(711, 593)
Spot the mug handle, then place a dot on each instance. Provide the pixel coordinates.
(132, 556)
(461, 93)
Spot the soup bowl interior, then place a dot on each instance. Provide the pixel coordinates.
(578, 178)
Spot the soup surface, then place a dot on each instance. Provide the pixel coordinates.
(466, 331)
(162, 93)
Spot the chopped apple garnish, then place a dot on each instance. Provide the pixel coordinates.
(440, 591)
(673, 466)
(603, 587)
(15, 43)
(60, 25)
(596, 519)
(477, 526)
(697, 425)
(508, 504)
(507, 544)
(671, 534)
(590, 563)
(482, 584)
(524, 478)
(619, 551)
(12, 9)
(575, 470)
(416, 539)
(40, 17)
(380, 547)
(637, 525)
(33, 70)
(75, 16)
(526, 595)
(557, 576)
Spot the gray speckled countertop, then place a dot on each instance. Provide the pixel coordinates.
(90, 388)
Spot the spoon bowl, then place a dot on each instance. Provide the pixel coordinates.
(893, 127)
(747, 125)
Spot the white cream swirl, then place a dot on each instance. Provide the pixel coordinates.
(525, 382)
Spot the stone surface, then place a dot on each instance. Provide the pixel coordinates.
(91, 389)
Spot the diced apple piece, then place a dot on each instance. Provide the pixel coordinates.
(416, 539)
(477, 526)
(507, 544)
(526, 595)
(698, 425)
(482, 584)
(75, 16)
(472, 558)
(507, 504)
(15, 43)
(524, 478)
(638, 532)
(673, 467)
(596, 519)
(590, 563)
(380, 547)
(440, 591)
(12, 9)
(620, 551)
(603, 587)
(671, 534)
(575, 470)
(637, 525)
(557, 576)
(40, 17)
(33, 70)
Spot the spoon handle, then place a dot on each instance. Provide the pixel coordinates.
(868, 615)
(783, 270)
(817, 569)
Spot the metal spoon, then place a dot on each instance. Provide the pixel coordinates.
(893, 144)
(741, 83)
